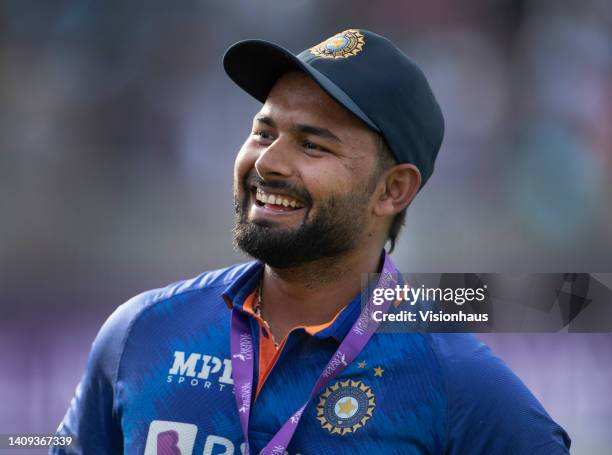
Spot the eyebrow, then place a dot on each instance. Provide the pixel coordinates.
(302, 128)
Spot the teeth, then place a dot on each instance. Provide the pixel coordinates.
(277, 199)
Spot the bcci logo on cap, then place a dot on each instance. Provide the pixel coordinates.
(344, 44)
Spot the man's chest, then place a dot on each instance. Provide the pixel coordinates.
(182, 397)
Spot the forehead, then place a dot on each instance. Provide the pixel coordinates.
(297, 98)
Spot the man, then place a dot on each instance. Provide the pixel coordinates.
(277, 354)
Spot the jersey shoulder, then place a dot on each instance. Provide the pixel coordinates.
(489, 406)
(111, 340)
(93, 417)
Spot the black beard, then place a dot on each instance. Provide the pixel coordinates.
(334, 229)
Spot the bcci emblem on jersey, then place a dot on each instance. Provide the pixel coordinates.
(342, 45)
(345, 406)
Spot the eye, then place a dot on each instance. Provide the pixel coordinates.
(263, 138)
(263, 135)
(314, 147)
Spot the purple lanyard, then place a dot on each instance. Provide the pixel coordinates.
(241, 345)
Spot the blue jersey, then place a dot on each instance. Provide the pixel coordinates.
(159, 381)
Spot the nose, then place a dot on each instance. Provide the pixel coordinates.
(275, 160)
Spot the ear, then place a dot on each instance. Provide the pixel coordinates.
(400, 184)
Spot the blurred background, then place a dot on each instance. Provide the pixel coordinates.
(118, 131)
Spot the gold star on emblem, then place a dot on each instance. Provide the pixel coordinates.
(346, 407)
(378, 371)
(361, 364)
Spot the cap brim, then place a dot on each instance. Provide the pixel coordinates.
(256, 65)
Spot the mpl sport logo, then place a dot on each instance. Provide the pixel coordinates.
(200, 370)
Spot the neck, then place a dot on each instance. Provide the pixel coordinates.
(312, 294)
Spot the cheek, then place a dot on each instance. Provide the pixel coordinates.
(245, 160)
(325, 181)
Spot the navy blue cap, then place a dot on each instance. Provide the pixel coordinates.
(364, 72)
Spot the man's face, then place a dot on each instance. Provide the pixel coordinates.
(304, 177)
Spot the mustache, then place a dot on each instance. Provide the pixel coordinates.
(254, 180)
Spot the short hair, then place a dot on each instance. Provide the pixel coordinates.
(386, 160)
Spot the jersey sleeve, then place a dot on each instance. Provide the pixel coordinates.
(490, 410)
(92, 419)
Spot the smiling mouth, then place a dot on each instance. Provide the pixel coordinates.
(275, 201)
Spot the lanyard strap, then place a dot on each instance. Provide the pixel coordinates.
(241, 346)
